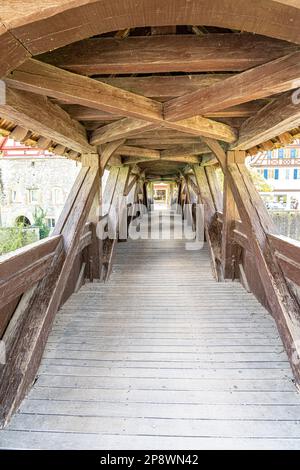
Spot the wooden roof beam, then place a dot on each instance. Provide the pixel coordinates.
(277, 117)
(186, 150)
(122, 129)
(277, 76)
(38, 77)
(198, 126)
(168, 53)
(129, 151)
(39, 115)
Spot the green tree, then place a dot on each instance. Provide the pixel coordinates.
(259, 182)
(39, 218)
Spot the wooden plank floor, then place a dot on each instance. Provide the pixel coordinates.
(161, 357)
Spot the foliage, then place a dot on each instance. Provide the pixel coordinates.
(39, 218)
(12, 238)
(259, 182)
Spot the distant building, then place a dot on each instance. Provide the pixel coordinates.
(281, 169)
(32, 178)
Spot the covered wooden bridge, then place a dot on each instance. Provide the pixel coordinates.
(144, 344)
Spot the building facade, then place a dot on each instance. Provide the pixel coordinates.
(31, 179)
(280, 168)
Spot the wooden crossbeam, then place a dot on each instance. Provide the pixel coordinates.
(185, 150)
(277, 76)
(45, 79)
(192, 159)
(274, 119)
(122, 129)
(198, 126)
(39, 115)
(82, 113)
(168, 53)
(129, 151)
(201, 126)
(165, 87)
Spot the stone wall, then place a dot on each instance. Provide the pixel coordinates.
(29, 183)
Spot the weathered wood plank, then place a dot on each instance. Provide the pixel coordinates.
(185, 150)
(131, 151)
(277, 117)
(168, 53)
(215, 186)
(229, 250)
(209, 215)
(274, 77)
(15, 52)
(107, 151)
(40, 24)
(38, 114)
(124, 128)
(23, 268)
(45, 79)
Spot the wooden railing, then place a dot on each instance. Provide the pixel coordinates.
(23, 268)
(286, 249)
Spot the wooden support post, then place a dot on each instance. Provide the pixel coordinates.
(93, 256)
(114, 190)
(258, 224)
(27, 333)
(230, 250)
(211, 173)
(207, 200)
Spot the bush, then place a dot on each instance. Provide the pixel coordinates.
(12, 238)
(40, 222)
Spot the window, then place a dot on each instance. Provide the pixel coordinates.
(276, 174)
(58, 196)
(269, 154)
(280, 153)
(14, 196)
(293, 153)
(287, 174)
(296, 174)
(50, 222)
(33, 196)
(266, 173)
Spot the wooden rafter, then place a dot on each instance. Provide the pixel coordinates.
(39, 115)
(46, 79)
(168, 53)
(277, 76)
(274, 119)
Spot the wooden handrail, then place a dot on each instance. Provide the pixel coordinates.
(287, 250)
(25, 266)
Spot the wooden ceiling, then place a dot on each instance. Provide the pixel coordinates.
(157, 91)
